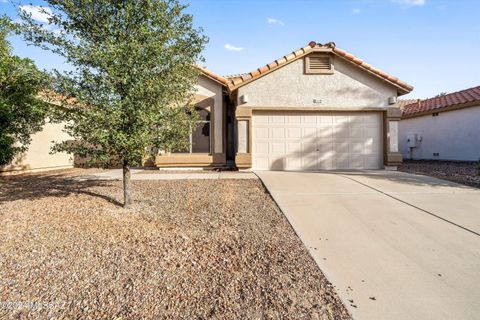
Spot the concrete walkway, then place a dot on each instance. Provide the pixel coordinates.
(395, 245)
(139, 174)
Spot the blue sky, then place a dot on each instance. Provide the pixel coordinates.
(433, 45)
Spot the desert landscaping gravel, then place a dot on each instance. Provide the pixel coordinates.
(188, 249)
(460, 172)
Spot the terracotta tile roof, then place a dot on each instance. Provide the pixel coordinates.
(240, 80)
(212, 75)
(401, 103)
(231, 76)
(464, 98)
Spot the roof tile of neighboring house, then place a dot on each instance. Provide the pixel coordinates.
(237, 81)
(467, 97)
(403, 102)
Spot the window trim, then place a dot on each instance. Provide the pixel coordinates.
(322, 71)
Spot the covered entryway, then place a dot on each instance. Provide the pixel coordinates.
(317, 140)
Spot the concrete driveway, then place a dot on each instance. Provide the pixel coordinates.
(395, 245)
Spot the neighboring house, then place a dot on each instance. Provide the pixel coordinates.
(38, 156)
(446, 127)
(316, 108)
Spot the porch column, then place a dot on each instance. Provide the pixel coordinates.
(392, 157)
(243, 156)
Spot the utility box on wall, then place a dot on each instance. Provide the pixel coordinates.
(412, 140)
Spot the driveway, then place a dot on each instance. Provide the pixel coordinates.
(395, 245)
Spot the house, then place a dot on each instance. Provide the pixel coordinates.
(38, 157)
(446, 127)
(316, 108)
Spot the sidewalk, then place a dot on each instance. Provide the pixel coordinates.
(140, 174)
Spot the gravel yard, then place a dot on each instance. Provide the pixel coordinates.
(459, 172)
(189, 249)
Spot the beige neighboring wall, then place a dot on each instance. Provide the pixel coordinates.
(348, 87)
(38, 156)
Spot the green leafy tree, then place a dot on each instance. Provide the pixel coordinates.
(132, 80)
(22, 113)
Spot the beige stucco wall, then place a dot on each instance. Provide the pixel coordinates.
(211, 89)
(38, 156)
(348, 87)
(455, 135)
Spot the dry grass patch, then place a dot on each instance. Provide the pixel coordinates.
(188, 249)
(460, 172)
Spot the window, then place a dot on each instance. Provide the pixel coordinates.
(200, 136)
(318, 64)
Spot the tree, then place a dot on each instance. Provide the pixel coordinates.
(22, 113)
(132, 80)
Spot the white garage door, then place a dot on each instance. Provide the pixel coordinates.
(317, 141)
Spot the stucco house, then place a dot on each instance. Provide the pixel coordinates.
(38, 157)
(446, 127)
(316, 108)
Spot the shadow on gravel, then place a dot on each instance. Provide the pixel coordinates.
(38, 186)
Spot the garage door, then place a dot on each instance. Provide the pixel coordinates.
(317, 141)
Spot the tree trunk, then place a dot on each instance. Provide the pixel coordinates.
(127, 187)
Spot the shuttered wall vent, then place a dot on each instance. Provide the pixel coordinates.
(318, 64)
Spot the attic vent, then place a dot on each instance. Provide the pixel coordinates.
(318, 64)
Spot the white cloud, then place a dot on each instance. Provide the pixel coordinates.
(356, 11)
(275, 21)
(229, 47)
(38, 13)
(410, 3)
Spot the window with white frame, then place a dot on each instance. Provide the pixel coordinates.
(200, 136)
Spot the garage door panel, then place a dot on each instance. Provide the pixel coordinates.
(277, 133)
(294, 147)
(356, 162)
(372, 162)
(372, 147)
(277, 148)
(309, 148)
(356, 147)
(324, 148)
(262, 148)
(262, 163)
(356, 132)
(309, 133)
(294, 119)
(326, 119)
(261, 133)
(294, 132)
(372, 133)
(308, 118)
(317, 140)
(277, 163)
(325, 131)
(277, 119)
(341, 130)
(341, 161)
(341, 147)
(325, 164)
(309, 162)
(293, 163)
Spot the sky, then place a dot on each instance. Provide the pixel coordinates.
(433, 45)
